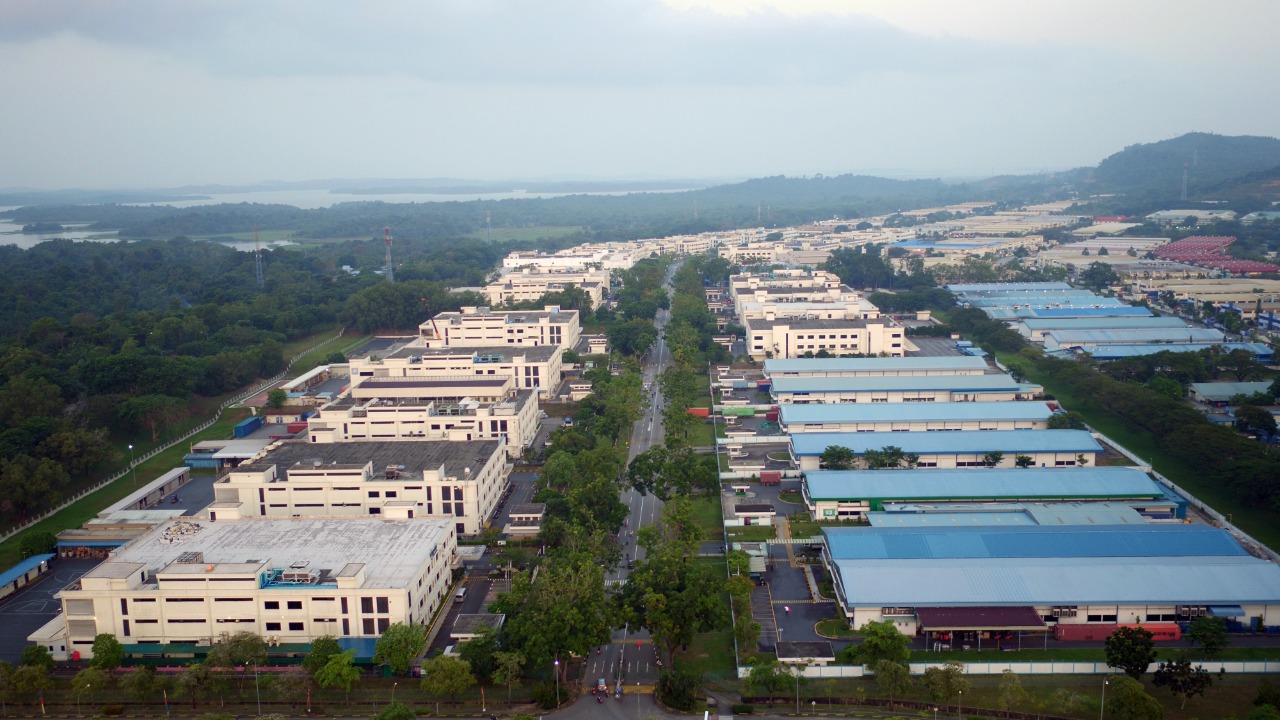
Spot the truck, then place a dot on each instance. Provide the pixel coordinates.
(771, 477)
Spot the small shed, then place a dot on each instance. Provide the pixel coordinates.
(469, 627)
(755, 513)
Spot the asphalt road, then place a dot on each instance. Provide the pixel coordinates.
(623, 659)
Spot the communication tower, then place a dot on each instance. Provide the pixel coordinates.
(257, 257)
(386, 233)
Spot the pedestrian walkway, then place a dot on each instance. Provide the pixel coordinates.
(813, 584)
(762, 612)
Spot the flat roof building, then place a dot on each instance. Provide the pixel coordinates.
(482, 327)
(874, 366)
(798, 337)
(190, 580)
(901, 417)
(1064, 339)
(851, 494)
(530, 286)
(896, 389)
(533, 368)
(1221, 392)
(1034, 329)
(462, 481)
(1047, 448)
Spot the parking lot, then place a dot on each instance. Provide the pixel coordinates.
(27, 610)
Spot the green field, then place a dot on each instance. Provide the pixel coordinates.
(753, 533)
(706, 512)
(535, 232)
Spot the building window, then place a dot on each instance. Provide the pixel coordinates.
(273, 626)
(383, 606)
(271, 605)
(295, 627)
(294, 605)
(367, 626)
(366, 605)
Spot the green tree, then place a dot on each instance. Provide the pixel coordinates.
(37, 655)
(892, 678)
(399, 645)
(1167, 387)
(444, 675)
(339, 671)
(1254, 419)
(31, 679)
(290, 687)
(837, 457)
(1099, 275)
(668, 592)
(1012, 694)
(1128, 700)
(322, 648)
(108, 653)
(768, 676)
(276, 398)
(478, 652)
(993, 458)
(1066, 421)
(1264, 712)
(37, 542)
(1210, 634)
(88, 679)
(7, 689)
(1182, 679)
(946, 683)
(880, 641)
(678, 688)
(140, 684)
(239, 650)
(508, 669)
(395, 711)
(1023, 461)
(198, 681)
(1131, 649)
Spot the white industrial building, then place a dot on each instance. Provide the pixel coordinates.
(875, 366)
(462, 481)
(902, 388)
(794, 337)
(482, 327)
(1046, 448)
(192, 579)
(530, 285)
(533, 368)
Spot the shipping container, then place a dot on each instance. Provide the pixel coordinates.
(1091, 632)
(700, 412)
(1159, 631)
(295, 427)
(771, 416)
(740, 411)
(764, 385)
(771, 477)
(246, 427)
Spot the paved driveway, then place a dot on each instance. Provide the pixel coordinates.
(27, 610)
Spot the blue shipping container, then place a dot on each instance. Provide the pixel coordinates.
(246, 427)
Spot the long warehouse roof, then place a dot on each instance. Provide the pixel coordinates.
(1105, 352)
(913, 412)
(1132, 335)
(893, 383)
(875, 364)
(1006, 287)
(1037, 541)
(1060, 581)
(993, 483)
(962, 441)
(1102, 323)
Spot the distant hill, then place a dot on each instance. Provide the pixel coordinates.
(1263, 186)
(1210, 160)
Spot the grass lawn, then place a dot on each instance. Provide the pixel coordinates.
(700, 435)
(706, 512)
(803, 527)
(534, 232)
(1257, 521)
(710, 654)
(835, 627)
(754, 533)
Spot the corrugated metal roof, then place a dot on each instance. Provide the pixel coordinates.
(1005, 514)
(1039, 541)
(1102, 323)
(913, 412)
(1060, 581)
(875, 364)
(1109, 352)
(1005, 287)
(1132, 335)
(961, 441)
(892, 383)
(980, 483)
(991, 518)
(22, 568)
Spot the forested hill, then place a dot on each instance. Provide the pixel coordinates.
(1209, 160)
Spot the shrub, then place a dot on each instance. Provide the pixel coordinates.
(112, 709)
(743, 709)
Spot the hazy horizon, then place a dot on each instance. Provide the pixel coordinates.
(145, 94)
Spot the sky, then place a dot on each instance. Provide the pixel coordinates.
(157, 93)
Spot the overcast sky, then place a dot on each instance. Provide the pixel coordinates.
(141, 93)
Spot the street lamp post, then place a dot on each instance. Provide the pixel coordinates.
(133, 465)
(959, 701)
(393, 692)
(256, 689)
(86, 687)
(556, 671)
(1102, 710)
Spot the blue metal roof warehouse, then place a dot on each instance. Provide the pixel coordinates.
(1036, 541)
(813, 414)
(890, 383)
(1045, 582)
(777, 368)
(1110, 308)
(964, 441)
(1007, 287)
(980, 484)
(1260, 351)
